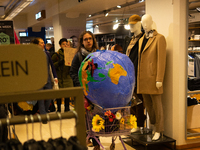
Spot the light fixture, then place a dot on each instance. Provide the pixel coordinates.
(127, 26)
(90, 15)
(115, 26)
(23, 4)
(118, 6)
(106, 14)
(121, 29)
(198, 9)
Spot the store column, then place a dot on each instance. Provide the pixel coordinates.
(68, 25)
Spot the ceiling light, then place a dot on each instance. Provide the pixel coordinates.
(106, 14)
(90, 15)
(116, 21)
(23, 4)
(118, 6)
(127, 27)
(115, 26)
(198, 9)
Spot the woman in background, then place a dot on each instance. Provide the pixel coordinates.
(86, 45)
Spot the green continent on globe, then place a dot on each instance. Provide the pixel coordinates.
(85, 75)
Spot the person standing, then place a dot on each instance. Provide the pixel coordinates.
(86, 45)
(44, 105)
(64, 79)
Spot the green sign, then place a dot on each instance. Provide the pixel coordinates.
(6, 33)
(4, 38)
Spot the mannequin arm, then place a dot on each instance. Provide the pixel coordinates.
(158, 84)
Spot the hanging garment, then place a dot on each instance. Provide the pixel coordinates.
(31, 145)
(14, 144)
(60, 144)
(75, 143)
(194, 84)
(45, 145)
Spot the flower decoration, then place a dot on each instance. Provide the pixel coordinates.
(97, 123)
(122, 120)
(107, 113)
(118, 116)
(133, 121)
(110, 115)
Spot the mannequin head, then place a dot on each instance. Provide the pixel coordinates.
(147, 22)
(135, 24)
(135, 28)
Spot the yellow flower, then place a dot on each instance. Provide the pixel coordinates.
(97, 123)
(133, 121)
(122, 121)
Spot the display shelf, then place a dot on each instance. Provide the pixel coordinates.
(194, 27)
(194, 92)
(193, 51)
(194, 40)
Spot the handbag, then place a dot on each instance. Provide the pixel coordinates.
(55, 85)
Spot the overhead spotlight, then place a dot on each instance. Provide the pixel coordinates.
(118, 6)
(90, 15)
(106, 14)
(198, 9)
(96, 26)
(115, 26)
(116, 21)
(127, 27)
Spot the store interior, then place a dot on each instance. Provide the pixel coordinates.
(177, 20)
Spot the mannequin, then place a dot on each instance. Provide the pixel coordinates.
(151, 69)
(132, 52)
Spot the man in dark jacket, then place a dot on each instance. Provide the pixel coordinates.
(64, 79)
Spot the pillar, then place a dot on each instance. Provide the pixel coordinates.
(67, 25)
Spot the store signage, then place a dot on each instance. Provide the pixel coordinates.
(40, 15)
(22, 68)
(6, 33)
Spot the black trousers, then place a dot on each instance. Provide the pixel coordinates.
(138, 110)
(66, 104)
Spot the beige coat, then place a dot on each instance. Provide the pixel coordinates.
(151, 64)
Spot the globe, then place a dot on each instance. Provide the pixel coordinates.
(107, 78)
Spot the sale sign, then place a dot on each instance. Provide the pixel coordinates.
(6, 33)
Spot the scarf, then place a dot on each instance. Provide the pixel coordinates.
(132, 43)
(149, 34)
(85, 52)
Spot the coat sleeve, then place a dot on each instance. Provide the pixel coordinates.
(74, 70)
(161, 58)
(52, 66)
(55, 60)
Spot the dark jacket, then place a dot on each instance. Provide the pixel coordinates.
(64, 79)
(76, 63)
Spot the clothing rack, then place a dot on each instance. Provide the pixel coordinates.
(78, 114)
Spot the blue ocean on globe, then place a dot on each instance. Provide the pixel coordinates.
(108, 78)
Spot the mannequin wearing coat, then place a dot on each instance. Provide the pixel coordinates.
(151, 69)
(132, 53)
